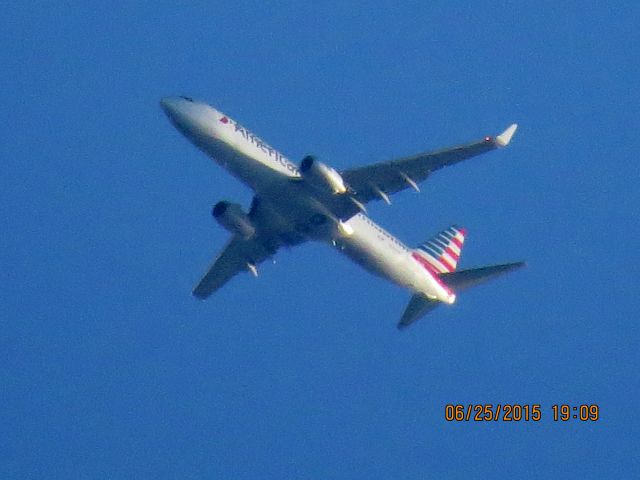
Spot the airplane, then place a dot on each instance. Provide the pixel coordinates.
(314, 202)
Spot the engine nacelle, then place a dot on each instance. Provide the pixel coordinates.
(317, 173)
(232, 217)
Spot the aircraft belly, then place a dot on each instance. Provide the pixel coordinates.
(383, 255)
(366, 260)
(376, 255)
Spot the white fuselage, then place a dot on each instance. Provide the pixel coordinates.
(270, 175)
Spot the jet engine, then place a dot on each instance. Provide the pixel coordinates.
(232, 217)
(317, 173)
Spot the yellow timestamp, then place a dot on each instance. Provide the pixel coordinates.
(584, 413)
(516, 412)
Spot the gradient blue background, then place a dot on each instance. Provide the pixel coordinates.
(110, 369)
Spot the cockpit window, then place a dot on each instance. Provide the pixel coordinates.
(188, 99)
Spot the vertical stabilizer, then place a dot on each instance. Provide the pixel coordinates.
(444, 249)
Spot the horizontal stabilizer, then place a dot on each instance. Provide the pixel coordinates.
(464, 279)
(418, 307)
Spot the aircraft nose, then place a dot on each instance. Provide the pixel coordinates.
(180, 110)
(171, 106)
(193, 119)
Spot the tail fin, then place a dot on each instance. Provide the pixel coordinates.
(443, 250)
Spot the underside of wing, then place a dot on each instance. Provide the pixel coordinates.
(245, 254)
(239, 255)
(380, 180)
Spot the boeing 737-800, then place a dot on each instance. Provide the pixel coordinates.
(312, 201)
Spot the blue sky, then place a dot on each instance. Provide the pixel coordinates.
(112, 370)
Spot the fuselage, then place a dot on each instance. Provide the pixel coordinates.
(277, 181)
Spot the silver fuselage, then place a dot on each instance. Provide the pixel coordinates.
(293, 204)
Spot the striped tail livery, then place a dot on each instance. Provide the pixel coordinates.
(443, 250)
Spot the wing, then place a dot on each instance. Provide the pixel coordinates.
(240, 255)
(237, 256)
(382, 179)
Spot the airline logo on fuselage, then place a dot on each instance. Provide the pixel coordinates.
(273, 154)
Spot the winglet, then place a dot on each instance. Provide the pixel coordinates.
(505, 137)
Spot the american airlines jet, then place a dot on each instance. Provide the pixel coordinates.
(312, 201)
